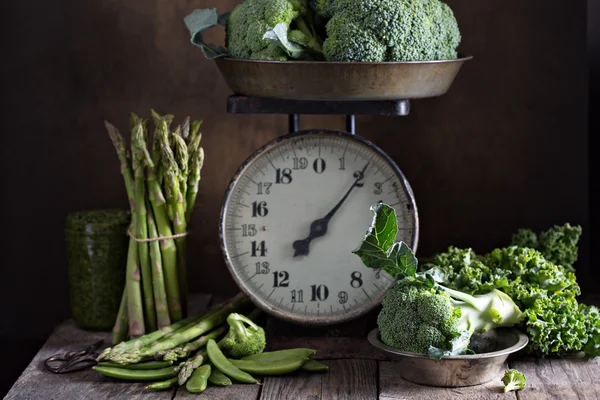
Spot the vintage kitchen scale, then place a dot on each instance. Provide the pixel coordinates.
(298, 206)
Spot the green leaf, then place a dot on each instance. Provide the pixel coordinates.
(380, 237)
(279, 37)
(405, 261)
(379, 249)
(200, 20)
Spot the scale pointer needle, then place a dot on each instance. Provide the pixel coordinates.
(318, 228)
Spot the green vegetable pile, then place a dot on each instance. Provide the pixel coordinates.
(332, 30)
(161, 174)
(218, 348)
(536, 272)
(419, 315)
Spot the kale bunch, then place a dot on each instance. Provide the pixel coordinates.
(546, 291)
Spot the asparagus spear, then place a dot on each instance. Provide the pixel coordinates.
(185, 128)
(186, 369)
(158, 281)
(121, 324)
(194, 132)
(157, 143)
(146, 339)
(135, 311)
(168, 248)
(182, 159)
(205, 324)
(121, 148)
(183, 351)
(141, 160)
(119, 330)
(193, 182)
(172, 176)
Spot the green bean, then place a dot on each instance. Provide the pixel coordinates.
(278, 367)
(219, 360)
(136, 374)
(314, 366)
(163, 385)
(218, 378)
(198, 381)
(142, 365)
(281, 354)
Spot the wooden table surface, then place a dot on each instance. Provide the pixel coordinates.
(356, 371)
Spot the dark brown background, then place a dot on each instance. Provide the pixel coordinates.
(507, 147)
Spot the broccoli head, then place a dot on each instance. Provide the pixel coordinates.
(407, 30)
(251, 22)
(244, 337)
(438, 321)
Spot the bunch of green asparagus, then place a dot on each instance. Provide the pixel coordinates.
(161, 175)
(222, 345)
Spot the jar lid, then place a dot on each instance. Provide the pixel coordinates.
(97, 221)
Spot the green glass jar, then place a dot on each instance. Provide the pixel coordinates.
(96, 244)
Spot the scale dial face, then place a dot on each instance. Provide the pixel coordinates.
(293, 214)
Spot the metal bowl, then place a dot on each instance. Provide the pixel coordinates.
(312, 80)
(492, 349)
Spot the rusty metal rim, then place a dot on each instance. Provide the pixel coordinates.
(521, 342)
(460, 59)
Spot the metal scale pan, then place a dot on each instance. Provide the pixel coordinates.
(330, 81)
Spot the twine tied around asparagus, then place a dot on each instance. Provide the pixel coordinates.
(155, 239)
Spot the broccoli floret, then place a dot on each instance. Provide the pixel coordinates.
(249, 33)
(408, 30)
(244, 337)
(271, 53)
(439, 321)
(348, 41)
(250, 20)
(513, 380)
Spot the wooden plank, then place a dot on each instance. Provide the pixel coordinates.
(307, 386)
(235, 391)
(256, 105)
(329, 348)
(391, 386)
(350, 379)
(38, 383)
(567, 378)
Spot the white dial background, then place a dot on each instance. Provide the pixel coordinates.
(272, 203)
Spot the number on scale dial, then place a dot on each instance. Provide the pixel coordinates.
(294, 213)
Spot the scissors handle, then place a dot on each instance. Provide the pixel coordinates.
(74, 360)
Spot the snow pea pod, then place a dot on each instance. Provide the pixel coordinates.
(279, 367)
(281, 355)
(163, 385)
(314, 366)
(219, 360)
(142, 365)
(199, 379)
(218, 378)
(136, 374)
